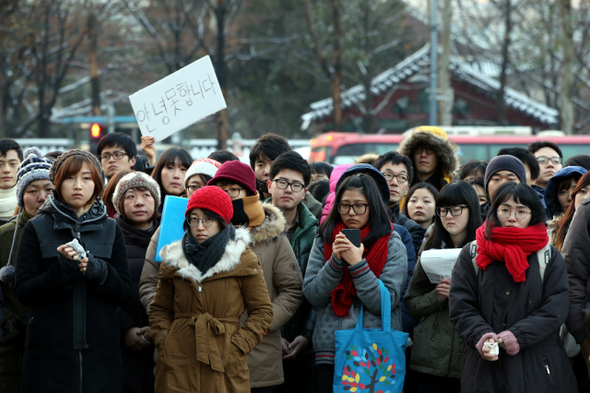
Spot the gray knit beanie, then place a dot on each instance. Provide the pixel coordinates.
(73, 152)
(135, 180)
(33, 167)
(505, 163)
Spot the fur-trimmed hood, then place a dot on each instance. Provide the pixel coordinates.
(272, 226)
(173, 257)
(437, 139)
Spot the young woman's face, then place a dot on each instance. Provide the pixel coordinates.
(581, 195)
(200, 231)
(139, 207)
(481, 194)
(421, 207)
(354, 201)
(193, 184)
(173, 178)
(564, 196)
(455, 225)
(78, 188)
(513, 214)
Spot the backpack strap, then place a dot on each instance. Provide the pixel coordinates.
(473, 252)
(543, 256)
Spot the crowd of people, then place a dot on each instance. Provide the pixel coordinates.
(250, 297)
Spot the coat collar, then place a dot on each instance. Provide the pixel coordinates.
(273, 225)
(173, 256)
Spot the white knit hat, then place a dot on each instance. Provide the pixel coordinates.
(202, 166)
(34, 167)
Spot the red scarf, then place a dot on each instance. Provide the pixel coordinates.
(344, 293)
(511, 245)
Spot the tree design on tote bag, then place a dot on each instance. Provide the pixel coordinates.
(376, 372)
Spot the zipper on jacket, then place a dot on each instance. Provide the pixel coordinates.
(434, 329)
(80, 356)
(200, 287)
(546, 364)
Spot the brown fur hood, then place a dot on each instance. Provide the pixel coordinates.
(272, 226)
(445, 150)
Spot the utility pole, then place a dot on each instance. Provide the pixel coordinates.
(433, 107)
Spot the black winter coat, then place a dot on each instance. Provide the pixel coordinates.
(138, 365)
(491, 301)
(73, 342)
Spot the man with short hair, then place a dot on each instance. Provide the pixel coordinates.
(11, 156)
(531, 167)
(262, 154)
(549, 158)
(289, 177)
(118, 152)
(397, 170)
(500, 170)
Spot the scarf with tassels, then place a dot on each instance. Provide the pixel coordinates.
(510, 245)
(376, 256)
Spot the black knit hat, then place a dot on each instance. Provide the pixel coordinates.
(505, 163)
(73, 152)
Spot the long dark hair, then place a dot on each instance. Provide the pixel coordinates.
(454, 194)
(169, 157)
(563, 224)
(521, 193)
(378, 218)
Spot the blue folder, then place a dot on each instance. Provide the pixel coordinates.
(171, 224)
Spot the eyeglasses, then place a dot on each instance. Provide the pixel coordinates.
(421, 149)
(545, 160)
(401, 178)
(455, 211)
(282, 184)
(358, 208)
(234, 192)
(193, 187)
(118, 155)
(195, 221)
(520, 214)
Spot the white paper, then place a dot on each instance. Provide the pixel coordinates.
(439, 264)
(178, 100)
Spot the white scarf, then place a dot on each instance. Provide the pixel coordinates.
(7, 203)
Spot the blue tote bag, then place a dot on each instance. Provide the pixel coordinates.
(371, 360)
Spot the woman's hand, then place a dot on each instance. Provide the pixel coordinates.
(71, 254)
(149, 149)
(486, 350)
(343, 249)
(137, 338)
(442, 289)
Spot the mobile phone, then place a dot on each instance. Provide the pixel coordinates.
(354, 235)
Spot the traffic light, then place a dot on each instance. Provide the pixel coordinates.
(96, 131)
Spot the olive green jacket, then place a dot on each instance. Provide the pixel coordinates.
(437, 346)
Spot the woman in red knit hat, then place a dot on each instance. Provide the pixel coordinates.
(508, 299)
(208, 279)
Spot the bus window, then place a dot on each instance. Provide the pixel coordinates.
(569, 150)
(469, 152)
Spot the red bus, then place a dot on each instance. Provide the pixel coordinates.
(343, 148)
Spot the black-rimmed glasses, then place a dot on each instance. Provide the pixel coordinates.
(118, 155)
(545, 160)
(358, 208)
(401, 178)
(282, 184)
(454, 210)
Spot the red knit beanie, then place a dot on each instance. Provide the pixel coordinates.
(213, 199)
(236, 172)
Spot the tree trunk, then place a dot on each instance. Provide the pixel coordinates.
(93, 60)
(337, 77)
(566, 74)
(505, 61)
(444, 71)
(221, 117)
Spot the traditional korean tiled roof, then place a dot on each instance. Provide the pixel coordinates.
(419, 62)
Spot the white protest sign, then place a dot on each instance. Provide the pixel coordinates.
(179, 100)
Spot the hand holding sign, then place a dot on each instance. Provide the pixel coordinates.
(179, 100)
